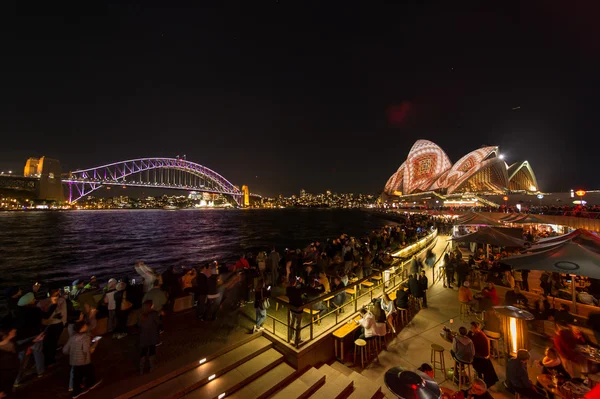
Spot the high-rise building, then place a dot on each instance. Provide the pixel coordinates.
(302, 193)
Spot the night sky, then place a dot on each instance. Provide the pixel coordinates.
(290, 95)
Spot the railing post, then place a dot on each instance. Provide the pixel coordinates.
(311, 321)
(288, 324)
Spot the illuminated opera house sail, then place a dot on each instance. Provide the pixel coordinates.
(428, 168)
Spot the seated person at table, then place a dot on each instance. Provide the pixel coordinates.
(313, 292)
(517, 378)
(586, 298)
(485, 302)
(427, 369)
(515, 297)
(324, 281)
(479, 390)
(490, 291)
(543, 310)
(367, 323)
(402, 297)
(340, 298)
(387, 305)
(465, 295)
(551, 362)
(482, 363)
(563, 315)
(462, 347)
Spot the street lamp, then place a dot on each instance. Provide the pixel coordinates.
(505, 198)
(540, 196)
(580, 194)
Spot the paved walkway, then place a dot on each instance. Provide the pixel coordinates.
(412, 346)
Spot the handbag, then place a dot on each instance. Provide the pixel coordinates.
(265, 301)
(125, 304)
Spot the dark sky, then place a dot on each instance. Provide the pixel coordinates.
(290, 95)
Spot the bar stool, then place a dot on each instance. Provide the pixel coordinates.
(465, 311)
(438, 350)
(402, 316)
(463, 370)
(499, 345)
(360, 343)
(372, 345)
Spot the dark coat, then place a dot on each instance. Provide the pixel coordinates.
(149, 324)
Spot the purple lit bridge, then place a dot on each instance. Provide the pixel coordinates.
(169, 173)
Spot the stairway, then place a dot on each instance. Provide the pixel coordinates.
(255, 370)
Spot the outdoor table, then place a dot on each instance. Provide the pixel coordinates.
(341, 333)
(447, 393)
(545, 380)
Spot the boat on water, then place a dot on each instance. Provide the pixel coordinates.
(170, 207)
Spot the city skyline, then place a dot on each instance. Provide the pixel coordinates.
(280, 97)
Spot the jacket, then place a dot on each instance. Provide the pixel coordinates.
(368, 323)
(463, 348)
(516, 374)
(78, 347)
(149, 324)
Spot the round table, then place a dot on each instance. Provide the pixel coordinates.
(545, 381)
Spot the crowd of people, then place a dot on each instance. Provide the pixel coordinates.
(36, 317)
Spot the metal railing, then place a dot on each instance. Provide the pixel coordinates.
(391, 278)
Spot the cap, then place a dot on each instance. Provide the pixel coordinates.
(76, 282)
(466, 284)
(523, 354)
(26, 299)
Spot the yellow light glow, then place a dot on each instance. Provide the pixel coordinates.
(202, 360)
(513, 335)
(532, 188)
(212, 377)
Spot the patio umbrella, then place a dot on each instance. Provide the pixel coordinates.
(478, 219)
(511, 217)
(568, 257)
(411, 384)
(491, 236)
(530, 219)
(579, 236)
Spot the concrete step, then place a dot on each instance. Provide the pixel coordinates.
(236, 378)
(266, 384)
(337, 385)
(363, 387)
(189, 380)
(341, 368)
(303, 386)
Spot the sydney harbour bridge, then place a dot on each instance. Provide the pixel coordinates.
(43, 178)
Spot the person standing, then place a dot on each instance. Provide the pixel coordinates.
(274, 260)
(424, 284)
(122, 309)
(79, 347)
(525, 277)
(202, 291)
(482, 363)
(54, 324)
(149, 324)
(294, 293)
(9, 362)
(261, 295)
(109, 299)
(213, 295)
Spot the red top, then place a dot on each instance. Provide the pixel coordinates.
(480, 342)
(493, 295)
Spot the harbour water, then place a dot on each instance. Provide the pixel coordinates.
(63, 246)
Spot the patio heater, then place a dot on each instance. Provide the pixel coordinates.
(514, 328)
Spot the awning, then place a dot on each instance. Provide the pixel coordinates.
(475, 218)
(530, 219)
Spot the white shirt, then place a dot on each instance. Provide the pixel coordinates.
(368, 322)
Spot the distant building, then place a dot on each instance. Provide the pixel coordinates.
(428, 169)
(48, 171)
(246, 195)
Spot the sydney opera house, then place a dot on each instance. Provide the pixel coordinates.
(482, 171)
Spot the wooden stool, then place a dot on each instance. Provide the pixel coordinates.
(463, 370)
(382, 341)
(402, 316)
(438, 350)
(465, 311)
(360, 343)
(377, 279)
(282, 298)
(372, 344)
(315, 315)
(499, 346)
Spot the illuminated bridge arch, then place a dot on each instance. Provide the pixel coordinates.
(171, 173)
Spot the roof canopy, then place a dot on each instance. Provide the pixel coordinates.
(528, 219)
(475, 218)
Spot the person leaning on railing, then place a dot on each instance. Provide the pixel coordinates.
(294, 292)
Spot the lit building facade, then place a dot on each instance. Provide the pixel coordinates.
(427, 168)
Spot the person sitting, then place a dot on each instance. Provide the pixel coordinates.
(481, 362)
(563, 315)
(462, 347)
(402, 297)
(367, 323)
(552, 363)
(515, 297)
(543, 309)
(387, 305)
(465, 295)
(479, 390)
(490, 292)
(340, 298)
(426, 369)
(517, 378)
(586, 298)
